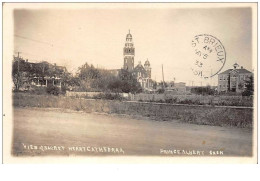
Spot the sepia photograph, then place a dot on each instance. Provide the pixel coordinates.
(122, 81)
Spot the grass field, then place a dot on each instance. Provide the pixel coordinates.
(202, 115)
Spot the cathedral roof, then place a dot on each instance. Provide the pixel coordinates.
(140, 68)
(239, 71)
(147, 62)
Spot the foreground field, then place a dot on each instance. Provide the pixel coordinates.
(40, 131)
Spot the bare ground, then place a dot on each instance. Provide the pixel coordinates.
(82, 133)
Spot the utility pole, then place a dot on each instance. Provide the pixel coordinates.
(18, 63)
(163, 76)
(18, 71)
(211, 78)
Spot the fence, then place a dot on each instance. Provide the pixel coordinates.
(93, 94)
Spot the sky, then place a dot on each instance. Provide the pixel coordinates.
(72, 37)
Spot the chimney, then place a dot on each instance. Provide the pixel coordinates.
(242, 67)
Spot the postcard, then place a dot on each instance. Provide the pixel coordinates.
(130, 82)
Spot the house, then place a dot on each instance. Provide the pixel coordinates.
(233, 79)
(38, 74)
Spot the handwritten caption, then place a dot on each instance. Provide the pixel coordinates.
(94, 149)
(191, 152)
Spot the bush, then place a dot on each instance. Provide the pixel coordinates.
(191, 114)
(37, 90)
(171, 100)
(63, 89)
(53, 90)
(247, 93)
(160, 91)
(108, 96)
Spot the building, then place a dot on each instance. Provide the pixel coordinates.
(177, 87)
(38, 74)
(233, 79)
(140, 72)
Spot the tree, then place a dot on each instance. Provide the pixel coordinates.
(87, 72)
(18, 68)
(126, 83)
(24, 72)
(154, 84)
(249, 84)
(103, 80)
(129, 82)
(91, 78)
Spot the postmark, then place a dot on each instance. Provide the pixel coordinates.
(209, 56)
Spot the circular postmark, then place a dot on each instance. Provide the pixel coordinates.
(209, 56)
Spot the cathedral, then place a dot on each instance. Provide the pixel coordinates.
(142, 73)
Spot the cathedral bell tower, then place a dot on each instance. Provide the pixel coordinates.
(129, 53)
(148, 68)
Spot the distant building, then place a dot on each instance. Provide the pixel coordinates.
(233, 79)
(115, 72)
(179, 87)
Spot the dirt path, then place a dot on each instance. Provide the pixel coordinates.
(53, 131)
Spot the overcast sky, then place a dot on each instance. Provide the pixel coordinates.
(97, 36)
